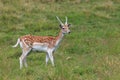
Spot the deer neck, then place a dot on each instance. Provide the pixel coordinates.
(59, 38)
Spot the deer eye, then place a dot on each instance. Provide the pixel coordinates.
(69, 25)
(61, 26)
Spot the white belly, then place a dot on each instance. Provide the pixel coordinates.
(40, 47)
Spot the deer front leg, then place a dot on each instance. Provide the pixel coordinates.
(51, 57)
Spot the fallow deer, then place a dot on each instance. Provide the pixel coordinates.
(47, 44)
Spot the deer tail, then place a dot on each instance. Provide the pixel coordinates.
(18, 41)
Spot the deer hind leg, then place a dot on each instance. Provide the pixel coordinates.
(21, 60)
(25, 63)
(23, 57)
(21, 64)
(25, 50)
(24, 60)
(47, 58)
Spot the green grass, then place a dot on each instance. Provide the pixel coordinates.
(90, 52)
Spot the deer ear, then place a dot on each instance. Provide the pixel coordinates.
(60, 26)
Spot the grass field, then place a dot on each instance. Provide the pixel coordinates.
(90, 52)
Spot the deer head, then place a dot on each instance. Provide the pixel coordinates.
(64, 27)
